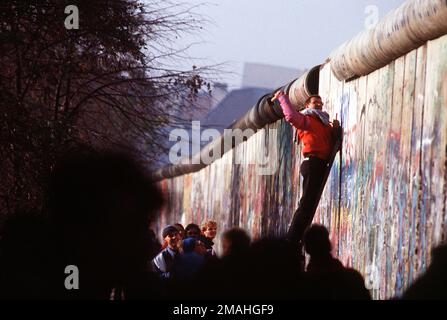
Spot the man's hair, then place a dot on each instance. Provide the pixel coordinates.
(192, 226)
(179, 226)
(310, 98)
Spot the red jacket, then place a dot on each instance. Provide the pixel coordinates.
(316, 137)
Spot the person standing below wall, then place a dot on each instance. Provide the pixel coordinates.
(317, 136)
(209, 231)
(164, 261)
(326, 277)
(192, 231)
(181, 232)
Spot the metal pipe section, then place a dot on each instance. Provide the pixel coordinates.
(261, 114)
(402, 30)
(304, 87)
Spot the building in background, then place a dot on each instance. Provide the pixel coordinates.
(221, 108)
(256, 75)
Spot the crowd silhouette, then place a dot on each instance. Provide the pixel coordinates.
(97, 217)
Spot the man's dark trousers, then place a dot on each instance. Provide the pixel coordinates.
(313, 171)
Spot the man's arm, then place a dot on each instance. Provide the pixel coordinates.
(290, 114)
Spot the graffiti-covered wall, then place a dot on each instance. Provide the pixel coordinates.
(385, 200)
(237, 190)
(387, 207)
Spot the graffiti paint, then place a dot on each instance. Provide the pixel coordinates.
(385, 199)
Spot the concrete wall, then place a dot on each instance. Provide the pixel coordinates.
(385, 200)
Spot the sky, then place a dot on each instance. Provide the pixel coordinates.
(291, 33)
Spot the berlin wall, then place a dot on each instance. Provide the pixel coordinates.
(385, 200)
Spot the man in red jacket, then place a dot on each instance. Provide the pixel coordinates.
(316, 133)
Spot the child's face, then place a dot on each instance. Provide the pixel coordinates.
(210, 232)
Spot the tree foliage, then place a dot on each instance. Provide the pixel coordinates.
(109, 83)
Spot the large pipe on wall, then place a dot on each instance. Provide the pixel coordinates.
(261, 114)
(305, 86)
(402, 30)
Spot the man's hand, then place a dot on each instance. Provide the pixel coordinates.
(335, 123)
(277, 94)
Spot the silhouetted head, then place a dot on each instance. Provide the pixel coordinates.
(316, 241)
(235, 241)
(101, 204)
(192, 230)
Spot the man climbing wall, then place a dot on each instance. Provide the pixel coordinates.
(318, 136)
